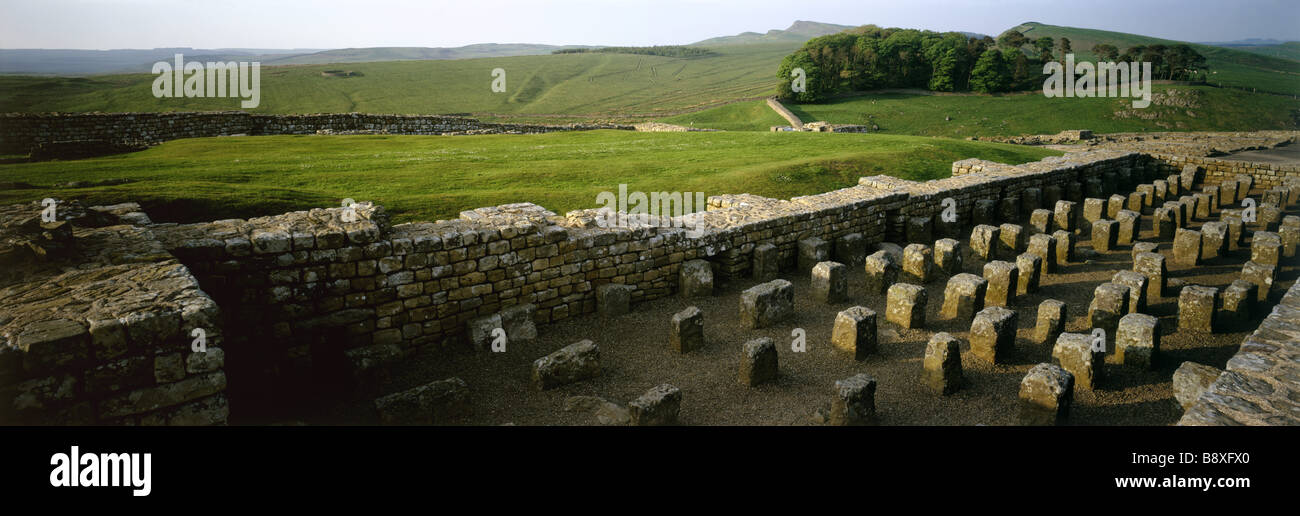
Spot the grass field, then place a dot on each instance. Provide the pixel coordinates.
(432, 177)
(591, 85)
(1229, 66)
(1218, 109)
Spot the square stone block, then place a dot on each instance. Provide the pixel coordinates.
(686, 332)
(1003, 279)
(963, 297)
(941, 367)
(1138, 342)
(1196, 306)
(766, 304)
(1028, 268)
(1137, 289)
(855, 332)
(812, 251)
(905, 305)
(830, 282)
(947, 256)
(1051, 321)
(882, 272)
(984, 240)
(1076, 353)
(1105, 234)
(1187, 247)
(854, 403)
(918, 259)
(1045, 396)
(758, 362)
(993, 334)
(767, 262)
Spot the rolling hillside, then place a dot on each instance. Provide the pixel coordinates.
(1228, 66)
(798, 32)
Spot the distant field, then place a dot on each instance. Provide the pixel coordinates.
(753, 115)
(436, 177)
(1218, 109)
(586, 85)
(1229, 66)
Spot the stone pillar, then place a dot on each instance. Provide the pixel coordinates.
(1187, 247)
(855, 332)
(855, 401)
(1051, 321)
(830, 282)
(1064, 247)
(758, 362)
(659, 406)
(1138, 341)
(1064, 216)
(963, 296)
(687, 330)
(920, 230)
(1109, 303)
(1045, 396)
(1152, 265)
(1262, 276)
(1003, 279)
(917, 261)
(1163, 222)
(1011, 240)
(1143, 247)
(614, 299)
(1137, 289)
(881, 272)
(984, 241)
(1196, 305)
(1027, 272)
(1104, 235)
(851, 249)
(1040, 221)
(1044, 247)
(947, 256)
(905, 305)
(1265, 248)
(812, 251)
(1093, 210)
(767, 262)
(1238, 301)
(1114, 205)
(941, 367)
(1130, 222)
(984, 212)
(1075, 353)
(766, 304)
(1214, 240)
(993, 334)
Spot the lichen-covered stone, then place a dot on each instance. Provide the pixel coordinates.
(1191, 380)
(854, 403)
(686, 331)
(766, 304)
(1076, 353)
(659, 406)
(696, 279)
(963, 296)
(1051, 321)
(882, 271)
(1045, 396)
(1137, 342)
(758, 362)
(941, 367)
(993, 334)
(830, 282)
(1196, 306)
(573, 363)
(905, 305)
(855, 332)
(918, 259)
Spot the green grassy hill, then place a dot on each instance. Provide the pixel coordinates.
(1289, 50)
(798, 32)
(1228, 66)
(1210, 109)
(374, 54)
(589, 85)
(433, 177)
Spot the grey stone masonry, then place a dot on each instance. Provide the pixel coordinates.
(1027, 273)
(1046, 393)
(993, 334)
(1076, 353)
(573, 363)
(758, 362)
(1003, 280)
(613, 299)
(941, 367)
(1152, 265)
(905, 305)
(1137, 289)
(1109, 304)
(882, 271)
(1104, 235)
(1262, 276)
(1065, 241)
(1196, 306)
(948, 256)
(1257, 386)
(854, 403)
(687, 330)
(812, 251)
(830, 282)
(851, 249)
(1191, 380)
(766, 304)
(1011, 240)
(963, 297)
(855, 332)
(767, 262)
(1137, 343)
(696, 279)
(659, 406)
(1051, 321)
(1044, 247)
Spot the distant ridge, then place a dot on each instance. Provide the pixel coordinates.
(798, 32)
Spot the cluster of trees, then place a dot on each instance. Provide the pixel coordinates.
(870, 57)
(1169, 62)
(659, 50)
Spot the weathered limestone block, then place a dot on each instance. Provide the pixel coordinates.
(1129, 224)
(614, 299)
(830, 282)
(659, 406)
(855, 332)
(1051, 321)
(1027, 273)
(1262, 276)
(1011, 240)
(941, 367)
(1137, 289)
(920, 229)
(812, 250)
(1109, 304)
(1273, 196)
(1044, 247)
(1164, 222)
(1196, 306)
(882, 272)
(1040, 221)
(1187, 247)
(905, 305)
(1152, 265)
(1075, 353)
(947, 256)
(1244, 183)
(1144, 247)
(851, 249)
(1290, 236)
(963, 297)
(1105, 233)
(918, 259)
(1148, 196)
(1267, 217)
(1045, 396)
(696, 279)
(1064, 216)
(516, 321)
(767, 262)
(1214, 240)
(1238, 303)
(758, 362)
(1202, 205)
(984, 212)
(435, 403)
(1065, 241)
(1228, 195)
(1191, 174)
(1266, 248)
(766, 304)
(1093, 210)
(573, 363)
(1114, 205)
(984, 240)
(1161, 190)
(1135, 202)
(1176, 213)
(1003, 279)
(993, 334)
(855, 401)
(1138, 341)
(686, 333)
(1175, 185)
(1191, 380)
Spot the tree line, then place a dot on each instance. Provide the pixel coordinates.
(658, 50)
(870, 57)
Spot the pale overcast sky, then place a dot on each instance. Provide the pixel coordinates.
(107, 24)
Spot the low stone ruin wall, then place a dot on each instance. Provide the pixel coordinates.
(21, 132)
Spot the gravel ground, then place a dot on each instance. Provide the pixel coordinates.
(635, 357)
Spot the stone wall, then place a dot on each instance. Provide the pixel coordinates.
(21, 132)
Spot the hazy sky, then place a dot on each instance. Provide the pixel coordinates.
(105, 24)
